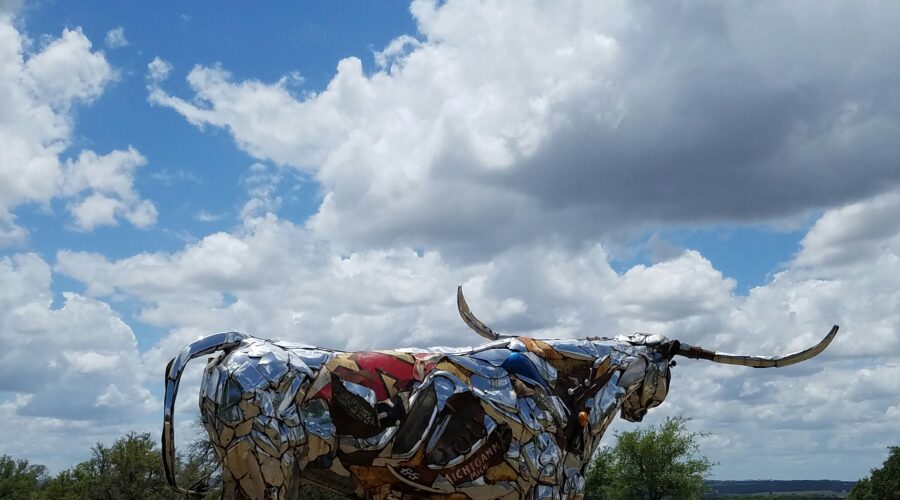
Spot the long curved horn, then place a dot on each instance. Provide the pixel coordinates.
(470, 319)
(757, 361)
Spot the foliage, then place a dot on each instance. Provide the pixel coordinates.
(650, 464)
(882, 483)
(129, 469)
(18, 478)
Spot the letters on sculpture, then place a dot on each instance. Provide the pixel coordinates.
(514, 418)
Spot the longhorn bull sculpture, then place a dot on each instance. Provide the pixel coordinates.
(514, 418)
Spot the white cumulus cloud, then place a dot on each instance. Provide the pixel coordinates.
(58, 364)
(38, 91)
(110, 181)
(272, 278)
(581, 117)
(115, 38)
(158, 70)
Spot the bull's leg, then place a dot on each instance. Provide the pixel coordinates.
(230, 489)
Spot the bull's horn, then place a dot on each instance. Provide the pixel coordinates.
(470, 319)
(757, 361)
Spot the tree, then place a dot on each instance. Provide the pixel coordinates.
(19, 479)
(650, 464)
(883, 483)
(129, 469)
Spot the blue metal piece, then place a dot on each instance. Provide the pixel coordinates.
(519, 365)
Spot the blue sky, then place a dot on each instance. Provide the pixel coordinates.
(723, 174)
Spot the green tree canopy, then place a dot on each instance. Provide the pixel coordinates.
(129, 469)
(652, 463)
(882, 483)
(18, 478)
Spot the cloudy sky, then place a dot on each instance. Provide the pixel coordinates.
(723, 173)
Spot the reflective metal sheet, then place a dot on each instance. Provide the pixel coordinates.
(293, 435)
(437, 432)
(544, 492)
(547, 371)
(495, 357)
(249, 377)
(286, 344)
(317, 418)
(290, 416)
(297, 364)
(237, 358)
(208, 386)
(265, 401)
(257, 348)
(490, 425)
(232, 394)
(521, 366)
(498, 390)
(516, 345)
(221, 375)
(445, 385)
(547, 473)
(512, 453)
(526, 413)
(529, 457)
(496, 344)
(230, 414)
(508, 413)
(550, 452)
(364, 392)
(264, 443)
(287, 399)
(272, 367)
(573, 349)
(477, 366)
(313, 358)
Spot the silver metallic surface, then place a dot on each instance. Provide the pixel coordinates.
(495, 357)
(317, 419)
(513, 418)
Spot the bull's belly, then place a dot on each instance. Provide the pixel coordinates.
(274, 419)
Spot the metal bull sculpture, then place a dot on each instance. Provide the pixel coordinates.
(514, 418)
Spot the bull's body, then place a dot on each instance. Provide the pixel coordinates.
(499, 420)
(514, 418)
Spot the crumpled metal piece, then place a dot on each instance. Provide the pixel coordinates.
(316, 419)
(498, 390)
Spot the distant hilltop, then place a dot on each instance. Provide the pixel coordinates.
(823, 488)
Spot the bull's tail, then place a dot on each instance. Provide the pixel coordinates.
(202, 347)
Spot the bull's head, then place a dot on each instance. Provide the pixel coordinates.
(642, 379)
